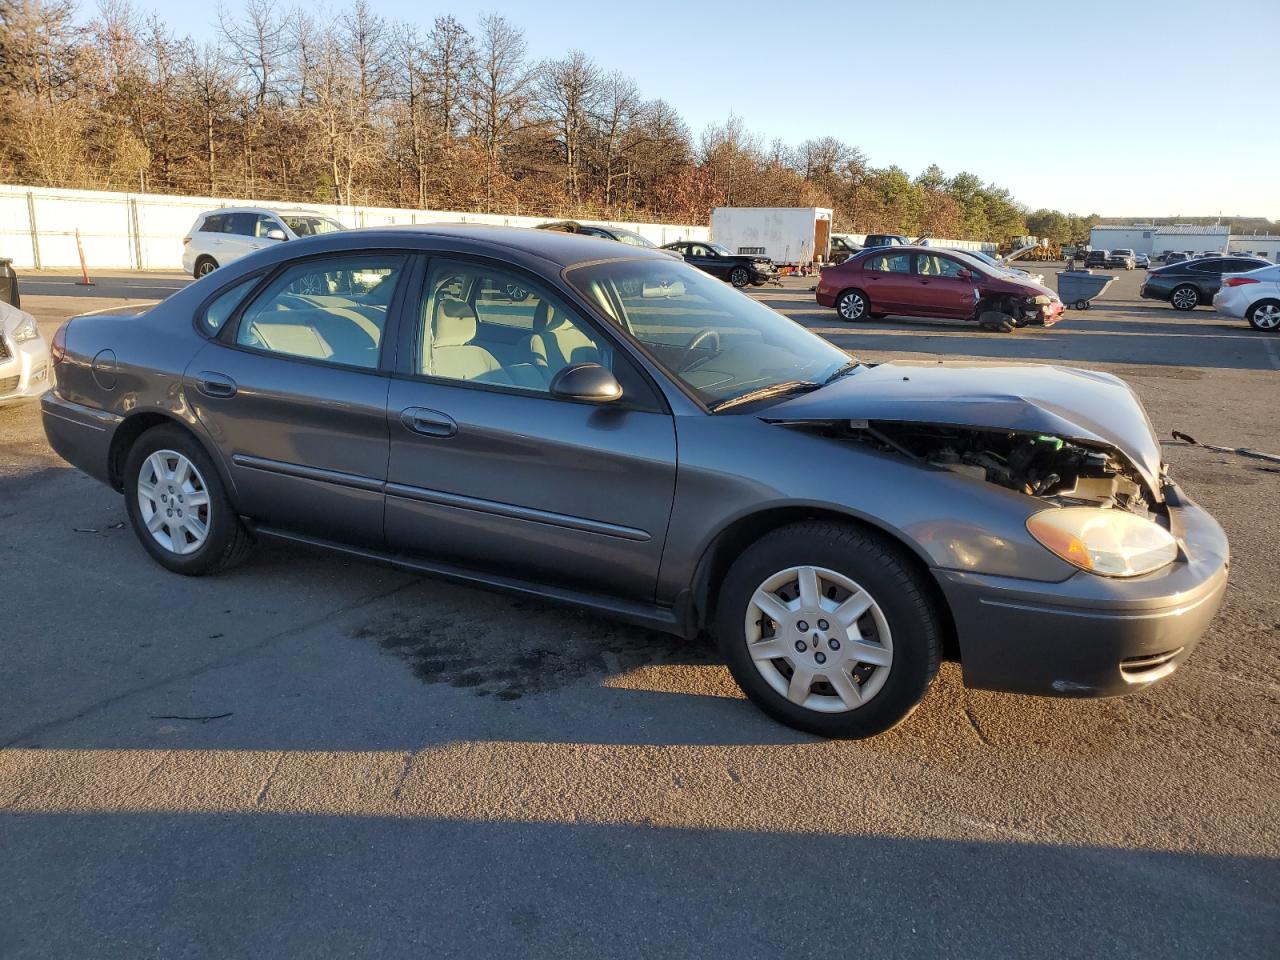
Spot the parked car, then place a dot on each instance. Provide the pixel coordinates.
(1175, 256)
(1096, 259)
(874, 240)
(219, 237)
(1253, 296)
(842, 248)
(24, 356)
(1003, 264)
(9, 284)
(712, 258)
(1191, 283)
(1122, 259)
(600, 443)
(1142, 261)
(930, 282)
(620, 234)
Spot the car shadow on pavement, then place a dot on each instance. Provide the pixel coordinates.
(167, 882)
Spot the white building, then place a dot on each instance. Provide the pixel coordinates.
(1136, 237)
(1197, 239)
(1259, 244)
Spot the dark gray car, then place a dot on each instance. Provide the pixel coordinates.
(632, 435)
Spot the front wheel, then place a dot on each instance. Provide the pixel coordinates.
(1265, 315)
(852, 305)
(828, 629)
(739, 276)
(178, 507)
(1185, 297)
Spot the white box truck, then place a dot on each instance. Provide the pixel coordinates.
(786, 235)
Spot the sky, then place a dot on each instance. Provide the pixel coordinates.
(1120, 109)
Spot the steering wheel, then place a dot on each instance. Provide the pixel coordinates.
(704, 336)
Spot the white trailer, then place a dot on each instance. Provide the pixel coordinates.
(789, 236)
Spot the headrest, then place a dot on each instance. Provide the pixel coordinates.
(546, 318)
(455, 323)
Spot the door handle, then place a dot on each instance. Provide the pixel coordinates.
(217, 385)
(429, 423)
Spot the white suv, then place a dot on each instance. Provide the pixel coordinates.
(220, 236)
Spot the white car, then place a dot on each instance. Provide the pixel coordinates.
(1253, 295)
(24, 356)
(1003, 264)
(220, 236)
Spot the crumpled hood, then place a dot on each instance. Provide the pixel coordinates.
(1082, 405)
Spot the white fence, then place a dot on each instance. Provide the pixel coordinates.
(144, 231)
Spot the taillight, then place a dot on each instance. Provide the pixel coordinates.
(1238, 281)
(185, 241)
(58, 349)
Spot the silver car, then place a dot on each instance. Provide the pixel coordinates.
(632, 435)
(24, 356)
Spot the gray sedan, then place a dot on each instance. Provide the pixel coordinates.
(627, 433)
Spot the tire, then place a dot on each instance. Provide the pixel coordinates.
(996, 321)
(740, 276)
(1265, 315)
(852, 305)
(1082, 304)
(175, 545)
(900, 628)
(1185, 297)
(204, 266)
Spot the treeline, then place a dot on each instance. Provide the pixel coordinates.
(352, 108)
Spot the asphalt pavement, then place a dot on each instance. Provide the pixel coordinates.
(313, 756)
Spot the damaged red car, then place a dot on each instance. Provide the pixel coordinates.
(928, 282)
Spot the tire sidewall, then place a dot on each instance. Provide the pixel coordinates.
(848, 294)
(912, 624)
(223, 520)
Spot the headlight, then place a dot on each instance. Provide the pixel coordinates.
(1042, 300)
(26, 330)
(1108, 542)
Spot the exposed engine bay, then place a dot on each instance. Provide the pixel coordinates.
(1051, 468)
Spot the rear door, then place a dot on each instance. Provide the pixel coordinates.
(489, 471)
(889, 282)
(293, 391)
(939, 290)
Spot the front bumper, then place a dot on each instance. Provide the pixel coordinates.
(25, 369)
(1091, 636)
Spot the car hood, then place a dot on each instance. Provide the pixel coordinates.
(1085, 406)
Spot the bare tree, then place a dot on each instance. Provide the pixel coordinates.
(498, 92)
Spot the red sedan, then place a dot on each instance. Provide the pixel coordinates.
(929, 282)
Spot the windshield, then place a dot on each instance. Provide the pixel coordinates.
(305, 226)
(720, 249)
(626, 236)
(717, 341)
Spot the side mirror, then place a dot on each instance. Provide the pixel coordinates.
(275, 233)
(589, 382)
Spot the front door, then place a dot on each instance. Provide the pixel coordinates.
(889, 282)
(704, 258)
(293, 392)
(489, 471)
(939, 290)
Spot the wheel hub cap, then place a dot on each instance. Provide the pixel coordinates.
(819, 639)
(173, 502)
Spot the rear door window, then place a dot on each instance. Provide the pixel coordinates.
(932, 265)
(217, 223)
(889, 262)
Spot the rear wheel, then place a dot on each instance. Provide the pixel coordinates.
(1185, 297)
(739, 276)
(204, 267)
(1265, 315)
(828, 629)
(852, 305)
(178, 507)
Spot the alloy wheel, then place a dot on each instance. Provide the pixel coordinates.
(852, 306)
(174, 502)
(818, 639)
(1267, 316)
(739, 277)
(1185, 298)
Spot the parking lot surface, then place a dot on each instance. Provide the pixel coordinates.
(315, 756)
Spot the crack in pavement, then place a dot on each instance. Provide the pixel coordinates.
(232, 658)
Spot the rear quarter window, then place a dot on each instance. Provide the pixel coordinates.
(224, 304)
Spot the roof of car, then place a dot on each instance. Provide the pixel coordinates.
(564, 249)
(270, 211)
